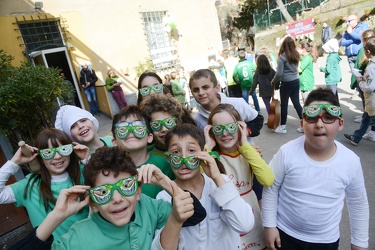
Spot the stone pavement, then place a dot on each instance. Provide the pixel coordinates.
(351, 105)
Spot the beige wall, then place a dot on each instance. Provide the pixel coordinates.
(110, 33)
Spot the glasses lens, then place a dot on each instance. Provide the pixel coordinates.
(312, 110)
(333, 110)
(158, 88)
(175, 160)
(231, 128)
(139, 131)
(65, 150)
(192, 162)
(145, 91)
(101, 194)
(311, 119)
(122, 132)
(328, 118)
(217, 129)
(47, 153)
(128, 186)
(155, 125)
(169, 122)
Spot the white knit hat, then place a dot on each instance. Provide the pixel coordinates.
(68, 115)
(331, 46)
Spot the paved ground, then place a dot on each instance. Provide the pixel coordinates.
(351, 104)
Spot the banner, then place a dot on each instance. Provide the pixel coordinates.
(302, 28)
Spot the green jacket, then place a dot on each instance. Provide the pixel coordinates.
(332, 70)
(109, 81)
(243, 74)
(306, 73)
(359, 66)
(178, 91)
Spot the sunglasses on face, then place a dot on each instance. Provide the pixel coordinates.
(191, 162)
(103, 194)
(157, 125)
(138, 128)
(231, 128)
(49, 153)
(313, 113)
(157, 88)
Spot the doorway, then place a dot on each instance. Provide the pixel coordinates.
(58, 58)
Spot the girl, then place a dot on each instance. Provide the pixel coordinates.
(367, 85)
(263, 75)
(226, 133)
(287, 74)
(81, 126)
(113, 84)
(58, 158)
(332, 70)
(305, 69)
(162, 113)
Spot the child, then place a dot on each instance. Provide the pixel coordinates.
(177, 89)
(131, 134)
(227, 133)
(305, 68)
(332, 70)
(81, 126)
(227, 214)
(162, 112)
(313, 176)
(59, 169)
(365, 84)
(263, 75)
(122, 217)
(113, 84)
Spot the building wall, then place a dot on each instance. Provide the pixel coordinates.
(110, 33)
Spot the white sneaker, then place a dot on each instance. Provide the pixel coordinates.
(280, 129)
(357, 117)
(369, 136)
(300, 130)
(358, 120)
(266, 122)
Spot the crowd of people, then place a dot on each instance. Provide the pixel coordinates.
(168, 179)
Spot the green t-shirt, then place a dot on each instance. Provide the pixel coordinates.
(244, 72)
(306, 73)
(97, 233)
(35, 206)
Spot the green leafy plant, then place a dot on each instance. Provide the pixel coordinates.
(27, 97)
(144, 65)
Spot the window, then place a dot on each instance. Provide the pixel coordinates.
(163, 53)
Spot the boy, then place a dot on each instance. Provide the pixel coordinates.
(228, 215)
(81, 126)
(313, 175)
(122, 217)
(131, 134)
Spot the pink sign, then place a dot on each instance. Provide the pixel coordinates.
(301, 28)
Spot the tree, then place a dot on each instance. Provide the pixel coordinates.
(27, 97)
(284, 11)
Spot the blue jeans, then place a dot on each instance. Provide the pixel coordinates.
(245, 95)
(365, 123)
(289, 90)
(90, 93)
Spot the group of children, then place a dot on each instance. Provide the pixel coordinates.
(206, 171)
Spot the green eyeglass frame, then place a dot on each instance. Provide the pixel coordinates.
(49, 153)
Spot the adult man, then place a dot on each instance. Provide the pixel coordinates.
(234, 90)
(352, 38)
(243, 76)
(87, 80)
(326, 33)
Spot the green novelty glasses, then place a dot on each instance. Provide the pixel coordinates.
(231, 128)
(157, 88)
(157, 125)
(191, 162)
(138, 128)
(313, 113)
(49, 153)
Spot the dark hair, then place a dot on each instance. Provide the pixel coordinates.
(142, 77)
(310, 48)
(288, 47)
(43, 178)
(370, 45)
(184, 130)
(263, 64)
(241, 54)
(321, 94)
(366, 35)
(125, 113)
(203, 73)
(106, 160)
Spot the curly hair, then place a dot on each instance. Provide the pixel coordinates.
(108, 160)
(161, 103)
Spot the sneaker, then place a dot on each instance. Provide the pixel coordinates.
(351, 139)
(369, 136)
(357, 116)
(280, 129)
(300, 130)
(358, 119)
(266, 122)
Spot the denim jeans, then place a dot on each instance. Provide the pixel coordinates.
(365, 123)
(245, 95)
(289, 90)
(90, 93)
